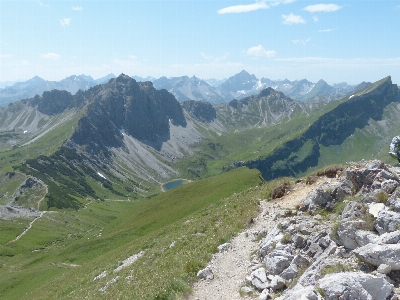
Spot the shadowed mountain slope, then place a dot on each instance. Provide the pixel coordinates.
(331, 129)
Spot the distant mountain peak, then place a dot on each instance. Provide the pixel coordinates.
(36, 79)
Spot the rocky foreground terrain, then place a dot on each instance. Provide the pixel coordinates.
(332, 236)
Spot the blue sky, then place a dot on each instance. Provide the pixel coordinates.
(337, 41)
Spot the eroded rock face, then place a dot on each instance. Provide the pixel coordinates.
(123, 106)
(53, 102)
(316, 199)
(347, 233)
(387, 221)
(355, 285)
(303, 246)
(201, 111)
(378, 254)
(394, 201)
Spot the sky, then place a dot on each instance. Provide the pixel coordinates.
(338, 41)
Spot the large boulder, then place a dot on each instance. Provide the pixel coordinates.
(378, 254)
(387, 221)
(390, 238)
(347, 233)
(394, 201)
(389, 186)
(364, 237)
(316, 199)
(352, 210)
(277, 261)
(268, 243)
(355, 285)
(300, 292)
(259, 279)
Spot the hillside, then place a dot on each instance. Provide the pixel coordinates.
(371, 113)
(334, 238)
(82, 173)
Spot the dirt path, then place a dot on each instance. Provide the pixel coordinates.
(40, 201)
(27, 228)
(231, 267)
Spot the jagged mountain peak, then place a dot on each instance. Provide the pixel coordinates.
(242, 81)
(36, 79)
(143, 112)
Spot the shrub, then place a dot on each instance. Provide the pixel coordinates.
(382, 197)
(369, 219)
(335, 228)
(337, 268)
(286, 238)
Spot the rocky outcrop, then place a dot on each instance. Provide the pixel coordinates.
(123, 106)
(53, 102)
(201, 111)
(266, 108)
(380, 254)
(355, 285)
(308, 256)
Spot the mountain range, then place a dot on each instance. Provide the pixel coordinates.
(80, 175)
(190, 88)
(37, 85)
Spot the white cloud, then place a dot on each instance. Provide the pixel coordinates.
(292, 19)
(327, 30)
(243, 8)
(51, 56)
(315, 18)
(301, 42)
(65, 22)
(6, 55)
(78, 8)
(259, 51)
(322, 8)
(265, 4)
(42, 4)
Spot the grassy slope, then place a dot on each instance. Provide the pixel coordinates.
(45, 145)
(64, 251)
(217, 154)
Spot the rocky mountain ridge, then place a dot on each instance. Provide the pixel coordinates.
(184, 88)
(342, 241)
(332, 128)
(37, 85)
(129, 130)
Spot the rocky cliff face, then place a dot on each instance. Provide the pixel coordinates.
(123, 106)
(200, 111)
(185, 88)
(267, 108)
(53, 102)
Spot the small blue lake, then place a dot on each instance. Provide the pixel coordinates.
(173, 184)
